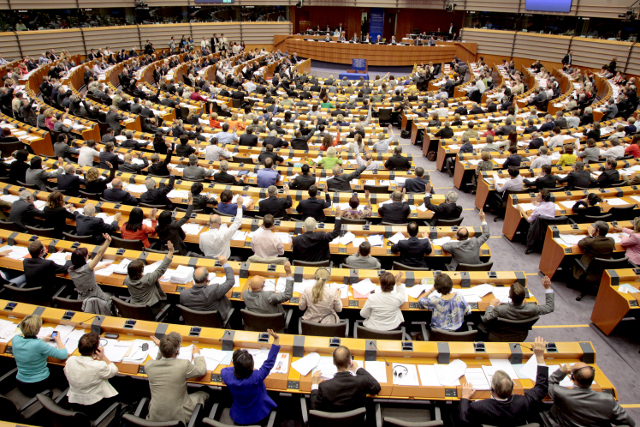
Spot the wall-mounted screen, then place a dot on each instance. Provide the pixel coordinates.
(549, 5)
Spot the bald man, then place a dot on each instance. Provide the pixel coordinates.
(397, 211)
(347, 390)
(465, 249)
(130, 166)
(118, 195)
(267, 302)
(217, 240)
(207, 296)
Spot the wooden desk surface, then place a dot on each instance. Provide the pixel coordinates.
(427, 353)
(612, 305)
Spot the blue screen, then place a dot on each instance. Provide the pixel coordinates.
(549, 5)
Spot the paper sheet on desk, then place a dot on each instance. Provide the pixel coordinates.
(375, 240)
(186, 353)
(416, 290)
(429, 376)
(450, 374)
(71, 339)
(358, 241)
(137, 354)
(211, 358)
(122, 267)
(8, 330)
(347, 238)
(502, 294)
(326, 366)
(568, 204)
(617, 202)
(115, 350)
(306, 364)
(626, 288)
(240, 235)
(505, 365)
(441, 241)
(397, 237)
(17, 252)
(364, 286)
(476, 377)
(107, 271)
(571, 239)
(9, 198)
(271, 286)
(527, 206)
(193, 229)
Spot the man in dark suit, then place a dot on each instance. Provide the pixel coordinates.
(578, 177)
(567, 58)
(447, 210)
(248, 139)
(23, 211)
(397, 161)
(113, 119)
(203, 296)
(313, 207)
(304, 181)
(506, 408)
(595, 245)
(108, 156)
(476, 109)
(395, 212)
(530, 128)
(417, 184)
(342, 182)
(347, 390)
(38, 270)
(413, 249)
(157, 196)
(314, 246)
(70, 182)
(158, 167)
(610, 174)
(132, 143)
(130, 167)
(275, 205)
(224, 177)
(136, 108)
(299, 142)
(461, 110)
(118, 195)
(89, 225)
(545, 181)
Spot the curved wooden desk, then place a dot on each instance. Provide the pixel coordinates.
(390, 55)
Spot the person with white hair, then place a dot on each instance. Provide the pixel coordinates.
(24, 211)
(157, 196)
(447, 210)
(314, 246)
(274, 205)
(193, 171)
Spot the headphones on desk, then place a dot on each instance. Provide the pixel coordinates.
(400, 371)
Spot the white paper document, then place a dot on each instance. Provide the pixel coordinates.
(405, 374)
(450, 374)
(429, 376)
(306, 364)
(476, 377)
(326, 366)
(378, 370)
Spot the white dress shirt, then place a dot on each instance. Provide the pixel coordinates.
(213, 153)
(266, 244)
(86, 155)
(361, 162)
(382, 309)
(89, 379)
(218, 241)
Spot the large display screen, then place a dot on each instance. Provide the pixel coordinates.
(549, 5)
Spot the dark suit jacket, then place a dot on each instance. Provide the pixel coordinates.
(70, 184)
(314, 246)
(276, 206)
(160, 168)
(209, 298)
(119, 196)
(111, 158)
(577, 179)
(92, 226)
(547, 181)
(608, 177)
(343, 182)
(185, 150)
(23, 213)
(225, 178)
(395, 213)
(41, 272)
(248, 140)
(416, 185)
(313, 207)
(397, 162)
(443, 211)
(344, 392)
(302, 182)
(515, 411)
(158, 196)
(412, 251)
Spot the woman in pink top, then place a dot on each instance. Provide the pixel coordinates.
(631, 242)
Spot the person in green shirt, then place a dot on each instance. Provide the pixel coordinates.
(330, 160)
(325, 103)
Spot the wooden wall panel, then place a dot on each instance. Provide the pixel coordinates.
(4, 4)
(506, 6)
(35, 42)
(10, 50)
(231, 31)
(528, 46)
(43, 4)
(160, 35)
(261, 33)
(116, 38)
(633, 66)
(490, 42)
(603, 8)
(595, 53)
(100, 3)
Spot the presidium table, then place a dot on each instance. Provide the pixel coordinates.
(376, 55)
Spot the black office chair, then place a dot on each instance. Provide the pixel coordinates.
(353, 221)
(505, 330)
(624, 213)
(147, 205)
(395, 422)
(327, 263)
(196, 211)
(384, 116)
(134, 245)
(485, 266)
(61, 417)
(242, 159)
(434, 334)
(7, 148)
(42, 232)
(399, 266)
(315, 418)
(207, 319)
(593, 218)
(80, 239)
(10, 225)
(589, 280)
(499, 202)
(261, 322)
(217, 212)
(538, 230)
(28, 186)
(340, 329)
(377, 189)
(220, 417)
(366, 333)
(36, 296)
(15, 406)
(449, 222)
(157, 251)
(90, 196)
(138, 311)
(68, 303)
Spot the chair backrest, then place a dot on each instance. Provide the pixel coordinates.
(179, 209)
(208, 319)
(449, 222)
(214, 423)
(25, 185)
(241, 159)
(505, 330)
(485, 266)
(61, 417)
(353, 221)
(261, 322)
(68, 303)
(44, 232)
(38, 295)
(135, 245)
(546, 221)
(141, 422)
(404, 224)
(217, 212)
(362, 332)
(340, 329)
(80, 239)
(624, 213)
(399, 266)
(7, 148)
(377, 189)
(312, 263)
(157, 251)
(90, 196)
(597, 266)
(147, 205)
(384, 113)
(442, 335)
(531, 425)
(337, 419)
(395, 422)
(133, 311)
(9, 225)
(593, 218)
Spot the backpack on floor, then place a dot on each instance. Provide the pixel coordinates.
(405, 134)
(432, 155)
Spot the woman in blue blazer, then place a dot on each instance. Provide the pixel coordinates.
(251, 403)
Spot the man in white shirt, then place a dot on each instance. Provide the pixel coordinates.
(226, 137)
(615, 151)
(543, 159)
(442, 111)
(265, 243)
(368, 162)
(382, 146)
(557, 140)
(217, 240)
(214, 153)
(88, 374)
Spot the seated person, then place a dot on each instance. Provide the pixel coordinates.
(413, 250)
(363, 258)
(544, 180)
(448, 309)
(382, 311)
(320, 303)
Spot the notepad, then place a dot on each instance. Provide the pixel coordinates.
(378, 370)
(306, 364)
(476, 377)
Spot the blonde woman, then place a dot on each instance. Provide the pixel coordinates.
(319, 302)
(235, 124)
(31, 355)
(330, 160)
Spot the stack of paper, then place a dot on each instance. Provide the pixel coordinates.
(59, 258)
(417, 290)
(364, 286)
(137, 354)
(627, 288)
(571, 239)
(17, 252)
(182, 275)
(476, 377)
(181, 194)
(136, 188)
(8, 330)
(272, 286)
(72, 339)
(285, 238)
(502, 294)
(326, 366)
(306, 364)
(429, 376)
(115, 350)
(151, 267)
(239, 235)
(192, 228)
(186, 353)
(397, 237)
(376, 240)
(449, 375)
(9, 198)
(347, 238)
(441, 241)
(107, 271)
(122, 267)
(106, 218)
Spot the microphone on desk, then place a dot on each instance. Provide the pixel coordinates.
(226, 334)
(373, 343)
